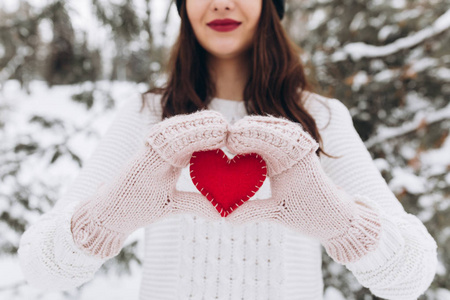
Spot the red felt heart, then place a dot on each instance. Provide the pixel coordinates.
(227, 183)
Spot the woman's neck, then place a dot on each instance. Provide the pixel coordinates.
(230, 76)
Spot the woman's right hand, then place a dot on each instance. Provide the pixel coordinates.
(144, 191)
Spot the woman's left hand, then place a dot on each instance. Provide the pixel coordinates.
(303, 197)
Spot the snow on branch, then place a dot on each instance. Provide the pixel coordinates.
(360, 50)
(421, 119)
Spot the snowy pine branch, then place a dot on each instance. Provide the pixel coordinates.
(359, 50)
(420, 119)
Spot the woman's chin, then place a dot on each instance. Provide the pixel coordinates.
(225, 52)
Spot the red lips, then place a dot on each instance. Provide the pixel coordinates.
(224, 24)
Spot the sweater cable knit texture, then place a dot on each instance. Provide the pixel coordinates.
(191, 255)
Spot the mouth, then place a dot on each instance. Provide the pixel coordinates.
(224, 25)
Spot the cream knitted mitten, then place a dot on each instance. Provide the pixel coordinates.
(303, 197)
(144, 191)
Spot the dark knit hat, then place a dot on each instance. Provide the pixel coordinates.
(279, 4)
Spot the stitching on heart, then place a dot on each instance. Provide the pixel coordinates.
(224, 212)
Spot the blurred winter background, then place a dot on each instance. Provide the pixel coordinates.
(66, 66)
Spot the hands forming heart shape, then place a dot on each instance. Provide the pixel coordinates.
(303, 197)
(263, 145)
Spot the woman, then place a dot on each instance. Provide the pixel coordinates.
(238, 89)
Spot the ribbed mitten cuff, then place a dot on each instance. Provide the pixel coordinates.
(362, 236)
(47, 251)
(93, 237)
(67, 251)
(391, 244)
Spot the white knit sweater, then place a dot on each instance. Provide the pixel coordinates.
(187, 257)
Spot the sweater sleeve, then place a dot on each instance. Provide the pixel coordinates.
(405, 261)
(47, 254)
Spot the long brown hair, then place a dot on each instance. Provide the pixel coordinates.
(275, 86)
